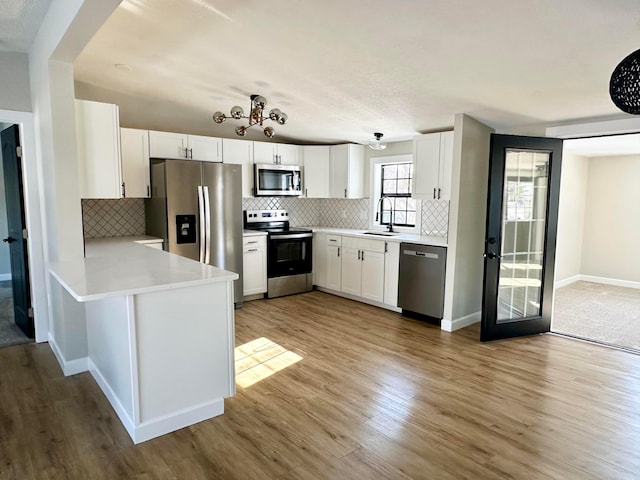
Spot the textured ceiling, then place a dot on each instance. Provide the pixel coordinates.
(19, 22)
(343, 69)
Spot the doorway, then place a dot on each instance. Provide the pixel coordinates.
(16, 318)
(597, 287)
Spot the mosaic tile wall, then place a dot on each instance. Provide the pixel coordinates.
(113, 218)
(347, 213)
(435, 218)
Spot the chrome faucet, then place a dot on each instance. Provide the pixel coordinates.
(382, 198)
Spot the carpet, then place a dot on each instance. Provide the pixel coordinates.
(594, 311)
(10, 333)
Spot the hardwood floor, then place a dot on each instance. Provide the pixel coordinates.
(375, 395)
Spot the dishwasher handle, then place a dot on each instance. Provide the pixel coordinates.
(415, 253)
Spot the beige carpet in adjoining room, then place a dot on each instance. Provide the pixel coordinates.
(594, 311)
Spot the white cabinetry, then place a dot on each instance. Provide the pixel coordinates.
(98, 143)
(432, 162)
(363, 268)
(347, 171)
(391, 267)
(282, 153)
(240, 152)
(334, 262)
(254, 272)
(185, 147)
(316, 160)
(135, 163)
(319, 267)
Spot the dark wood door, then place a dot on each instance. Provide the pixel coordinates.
(520, 243)
(12, 169)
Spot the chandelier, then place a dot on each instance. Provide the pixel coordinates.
(255, 117)
(624, 86)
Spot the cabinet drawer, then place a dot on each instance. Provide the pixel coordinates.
(363, 244)
(254, 241)
(335, 240)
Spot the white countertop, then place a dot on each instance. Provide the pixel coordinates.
(403, 237)
(119, 266)
(94, 247)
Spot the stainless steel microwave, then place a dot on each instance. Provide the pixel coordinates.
(277, 180)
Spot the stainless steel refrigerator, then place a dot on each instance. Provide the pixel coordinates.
(196, 207)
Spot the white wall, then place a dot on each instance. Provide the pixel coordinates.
(611, 239)
(467, 214)
(571, 215)
(14, 82)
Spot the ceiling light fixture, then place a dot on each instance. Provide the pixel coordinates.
(377, 144)
(256, 116)
(624, 87)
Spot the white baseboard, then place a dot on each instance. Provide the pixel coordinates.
(69, 367)
(458, 323)
(5, 276)
(161, 425)
(610, 281)
(359, 299)
(568, 281)
(183, 418)
(113, 399)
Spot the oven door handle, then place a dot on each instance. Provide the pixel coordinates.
(287, 236)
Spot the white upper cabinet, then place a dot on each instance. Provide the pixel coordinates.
(316, 161)
(347, 171)
(432, 162)
(282, 153)
(98, 142)
(135, 162)
(185, 147)
(240, 152)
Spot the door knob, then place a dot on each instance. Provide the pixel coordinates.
(8, 240)
(491, 255)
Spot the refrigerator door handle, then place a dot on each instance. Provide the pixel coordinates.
(207, 226)
(201, 214)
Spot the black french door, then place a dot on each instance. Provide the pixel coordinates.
(522, 220)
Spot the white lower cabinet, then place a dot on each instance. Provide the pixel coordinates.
(334, 262)
(391, 268)
(363, 268)
(319, 267)
(254, 272)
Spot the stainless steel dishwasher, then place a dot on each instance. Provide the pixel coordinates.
(421, 283)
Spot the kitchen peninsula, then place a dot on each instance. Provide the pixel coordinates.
(159, 335)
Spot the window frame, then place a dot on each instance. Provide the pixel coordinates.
(376, 188)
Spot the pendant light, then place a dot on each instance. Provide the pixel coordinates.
(624, 87)
(255, 117)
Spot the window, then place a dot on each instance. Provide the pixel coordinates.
(396, 185)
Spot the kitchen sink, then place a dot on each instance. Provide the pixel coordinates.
(383, 234)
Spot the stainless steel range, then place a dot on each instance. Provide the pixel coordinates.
(288, 251)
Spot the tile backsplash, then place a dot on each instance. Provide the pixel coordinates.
(113, 218)
(347, 213)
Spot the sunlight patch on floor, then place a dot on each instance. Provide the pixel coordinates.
(259, 359)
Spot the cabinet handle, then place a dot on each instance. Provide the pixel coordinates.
(438, 194)
(434, 193)
(255, 241)
(386, 247)
(306, 192)
(338, 251)
(186, 152)
(362, 256)
(148, 191)
(333, 240)
(123, 191)
(191, 153)
(358, 254)
(345, 193)
(252, 250)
